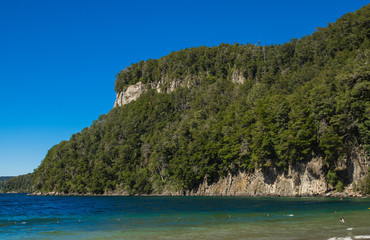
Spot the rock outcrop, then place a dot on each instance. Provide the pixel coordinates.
(132, 93)
(164, 85)
(237, 77)
(305, 179)
(302, 179)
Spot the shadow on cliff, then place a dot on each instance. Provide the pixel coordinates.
(270, 174)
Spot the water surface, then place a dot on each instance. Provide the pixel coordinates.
(82, 217)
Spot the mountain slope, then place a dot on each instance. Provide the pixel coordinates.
(204, 114)
(18, 184)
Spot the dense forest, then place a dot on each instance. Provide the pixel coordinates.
(291, 102)
(2, 182)
(19, 184)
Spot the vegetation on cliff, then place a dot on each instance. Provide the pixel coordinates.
(303, 99)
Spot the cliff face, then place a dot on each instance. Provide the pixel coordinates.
(303, 179)
(164, 85)
(132, 93)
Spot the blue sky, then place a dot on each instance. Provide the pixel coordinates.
(59, 58)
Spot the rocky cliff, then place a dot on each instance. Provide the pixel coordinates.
(303, 179)
(132, 93)
(164, 85)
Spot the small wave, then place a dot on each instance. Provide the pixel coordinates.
(290, 215)
(349, 229)
(362, 237)
(340, 238)
(349, 238)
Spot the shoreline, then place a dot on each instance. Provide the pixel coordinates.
(329, 194)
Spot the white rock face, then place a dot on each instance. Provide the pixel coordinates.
(305, 179)
(237, 77)
(157, 85)
(132, 93)
(164, 85)
(174, 84)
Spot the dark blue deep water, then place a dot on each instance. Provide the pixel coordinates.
(86, 217)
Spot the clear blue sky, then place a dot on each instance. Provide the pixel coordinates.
(59, 58)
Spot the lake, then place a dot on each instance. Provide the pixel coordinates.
(134, 217)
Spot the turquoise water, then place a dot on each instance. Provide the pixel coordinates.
(72, 217)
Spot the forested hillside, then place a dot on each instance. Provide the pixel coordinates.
(239, 106)
(19, 184)
(2, 182)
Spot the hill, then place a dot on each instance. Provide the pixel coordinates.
(18, 184)
(290, 119)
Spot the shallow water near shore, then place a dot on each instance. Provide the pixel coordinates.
(129, 217)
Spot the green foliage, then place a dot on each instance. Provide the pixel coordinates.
(364, 185)
(332, 178)
(3, 181)
(19, 184)
(305, 98)
(339, 187)
(334, 181)
(367, 182)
